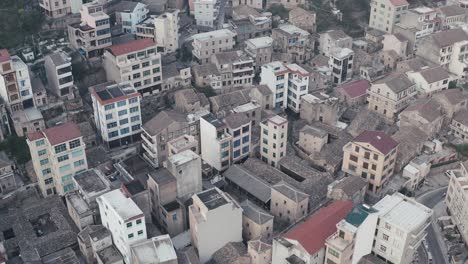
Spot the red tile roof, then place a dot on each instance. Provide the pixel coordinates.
(378, 139)
(4, 55)
(399, 2)
(356, 88)
(131, 46)
(57, 134)
(313, 232)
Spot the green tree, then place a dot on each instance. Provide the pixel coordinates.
(17, 148)
(280, 10)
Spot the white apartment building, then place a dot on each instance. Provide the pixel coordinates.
(207, 13)
(288, 83)
(124, 219)
(130, 14)
(117, 113)
(386, 13)
(186, 168)
(216, 142)
(430, 80)
(55, 8)
(163, 29)
(459, 63)
(92, 34)
(274, 139)
(236, 69)
(456, 198)
(9, 89)
(57, 153)
(341, 63)
(209, 43)
(215, 220)
(24, 81)
(58, 69)
(136, 62)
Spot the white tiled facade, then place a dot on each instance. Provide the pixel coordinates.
(129, 20)
(163, 29)
(384, 14)
(456, 198)
(274, 134)
(24, 81)
(209, 43)
(216, 142)
(206, 13)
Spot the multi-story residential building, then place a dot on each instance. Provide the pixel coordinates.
(92, 34)
(371, 155)
(455, 200)
(386, 13)
(129, 15)
(438, 48)
(424, 113)
(58, 69)
(247, 23)
(163, 29)
(287, 82)
(389, 96)
(209, 14)
(186, 168)
(7, 177)
(240, 127)
(209, 43)
(161, 129)
(24, 81)
(273, 140)
(9, 89)
(256, 222)
(216, 142)
(157, 249)
(305, 243)
(341, 63)
(332, 39)
(304, 19)
(459, 63)
(260, 49)
(137, 62)
(430, 80)
(288, 204)
(57, 153)
(117, 113)
(55, 8)
(396, 225)
(236, 69)
(124, 219)
(27, 120)
(293, 41)
(182, 143)
(459, 125)
(257, 4)
(210, 214)
(451, 15)
(312, 139)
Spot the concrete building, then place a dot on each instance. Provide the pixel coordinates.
(415, 173)
(124, 219)
(162, 128)
(456, 196)
(56, 9)
(288, 204)
(208, 13)
(24, 81)
(236, 69)
(9, 89)
(341, 63)
(27, 121)
(288, 84)
(117, 113)
(257, 4)
(319, 107)
(129, 15)
(240, 127)
(7, 177)
(136, 62)
(312, 139)
(259, 251)
(353, 93)
(292, 3)
(136, 191)
(459, 125)
(304, 19)
(263, 96)
(296, 44)
(425, 114)
(274, 138)
(182, 143)
(163, 29)
(390, 95)
(186, 168)
(260, 49)
(371, 155)
(154, 250)
(451, 15)
(386, 13)
(213, 42)
(397, 43)
(332, 39)
(209, 215)
(305, 243)
(248, 23)
(190, 101)
(256, 222)
(58, 69)
(349, 188)
(92, 35)
(216, 142)
(458, 64)
(57, 153)
(430, 80)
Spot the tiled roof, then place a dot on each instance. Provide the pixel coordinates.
(462, 117)
(290, 192)
(452, 10)
(449, 37)
(429, 109)
(356, 88)
(314, 231)
(131, 46)
(57, 134)
(162, 120)
(453, 96)
(351, 185)
(4, 55)
(399, 2)
(396, 82)
(378, 139)
(235, 120)
(255, 213)
(433, 75)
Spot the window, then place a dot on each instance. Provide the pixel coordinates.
(353, 158)
(60, 148)
(140, 232)
(365, 165)
(366, 155)
(376, 157)
(245, 149)
(134, 118)
(111, 125)
(62, 158)
(123, 121)
(132, 100)
(66, 177)
(75, 143)
(245, 139)
(135, 127)
(78, 163)
(44, 162)
(246, 128)
(156, 70)
(224, 154)
(134, 109)
(121, 103)
(374, 167)
(136, 75)
(383, 248)
(236, 133)
(77, 153)
(145, 64)
(124, 130)
(123, 112)
(68, 187)
(385, 237)
(49, 180)
(65, 168)
(265, 150)
(388, 226)
(224, 145)
(40, 143)
(130, 236)
(351, 167)
(136, 67)
(174, 217)
(41, 152)
(237, 143)
(109, 107)
(129, 225)
(138, 222)
(333, 252)
(108, 116)
(236, 153)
